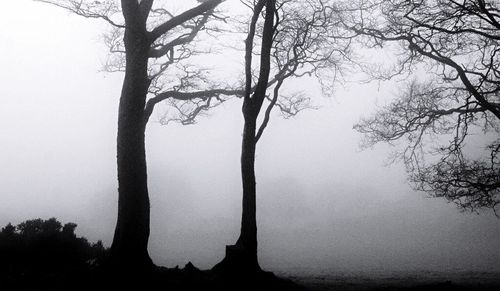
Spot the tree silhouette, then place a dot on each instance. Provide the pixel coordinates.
(148, 43)
(295, 40)
(457, 42)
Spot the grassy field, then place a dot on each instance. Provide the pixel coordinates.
(416, 281)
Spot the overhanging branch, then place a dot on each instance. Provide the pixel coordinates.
(183, 17)
(205, 94)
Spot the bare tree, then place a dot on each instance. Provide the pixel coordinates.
(295, 39)
(147, 43)
(455, 109)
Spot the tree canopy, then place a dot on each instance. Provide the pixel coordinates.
(448, 117)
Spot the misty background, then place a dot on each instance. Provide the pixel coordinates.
(324, 205)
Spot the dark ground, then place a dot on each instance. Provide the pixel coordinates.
(426, 281)
(191, 278)
(46, 255)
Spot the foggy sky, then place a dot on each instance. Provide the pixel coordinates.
(323, 205)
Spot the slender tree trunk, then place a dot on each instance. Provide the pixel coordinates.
(242, 257)
(248, 236)
(129, 248)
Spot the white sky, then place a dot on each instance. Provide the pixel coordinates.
(323, 205)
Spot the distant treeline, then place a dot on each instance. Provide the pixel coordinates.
(40, 250)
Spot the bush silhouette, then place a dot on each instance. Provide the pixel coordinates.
(8, 230)
(36, 250)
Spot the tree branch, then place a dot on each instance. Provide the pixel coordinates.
(183, 17)
(148, 110)
(102, 10)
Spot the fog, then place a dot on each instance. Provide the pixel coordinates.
(324, 205)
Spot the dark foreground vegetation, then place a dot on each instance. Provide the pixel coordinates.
(47, 255)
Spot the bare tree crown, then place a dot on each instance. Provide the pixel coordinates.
(457, 42)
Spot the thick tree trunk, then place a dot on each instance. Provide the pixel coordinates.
(129, 248)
